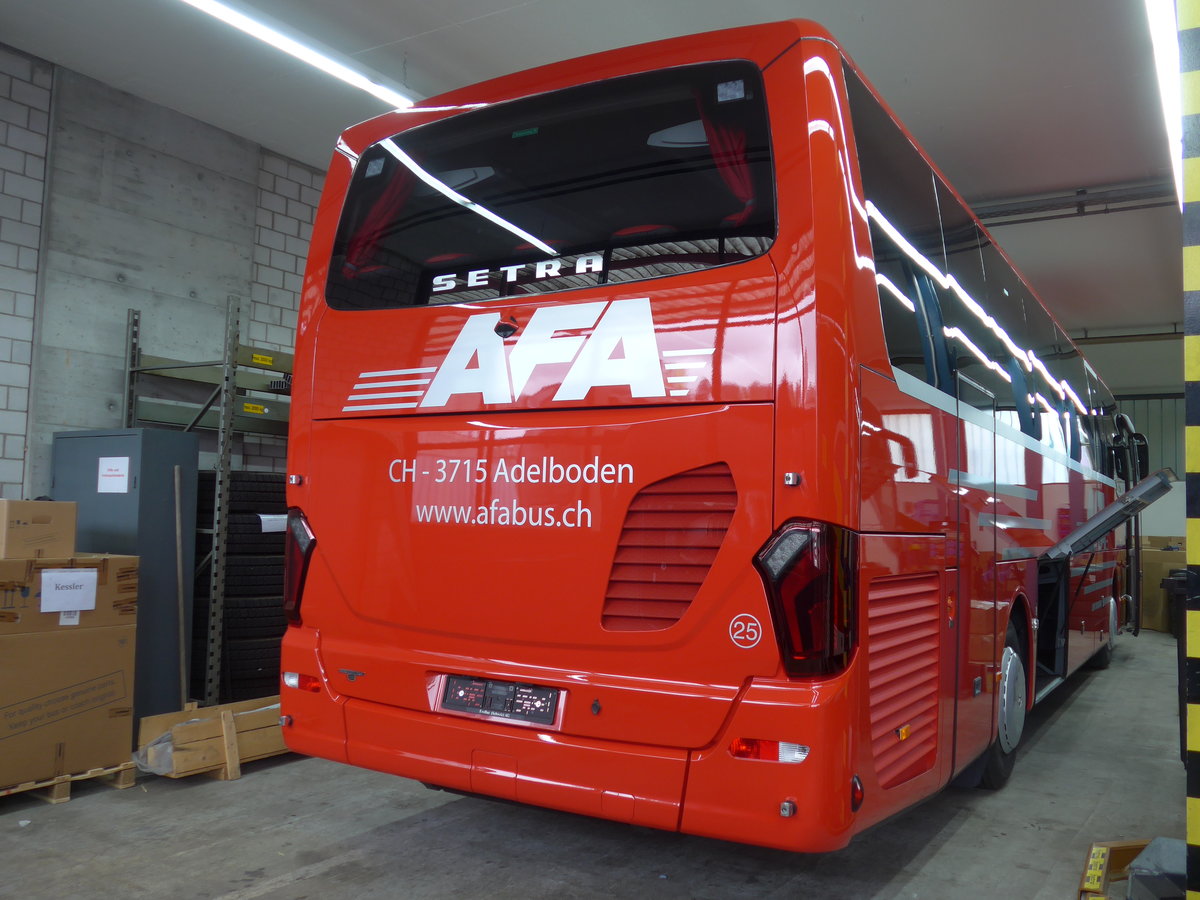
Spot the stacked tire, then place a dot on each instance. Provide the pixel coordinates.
(253, 622)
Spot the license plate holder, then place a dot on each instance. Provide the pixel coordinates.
(515, 701)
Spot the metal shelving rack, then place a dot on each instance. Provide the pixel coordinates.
(248, 396)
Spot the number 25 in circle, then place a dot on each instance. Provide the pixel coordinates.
(745, 631)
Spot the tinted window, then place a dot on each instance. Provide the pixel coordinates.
(1067, 367)
(900, 303)
(1103, 408)
(953, 305)
(974, 337)
(625, 179)
(905, 228)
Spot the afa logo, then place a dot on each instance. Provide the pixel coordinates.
(479, 363)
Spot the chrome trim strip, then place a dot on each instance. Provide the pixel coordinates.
(927, 393)
(1014, 522)
(1014, 553)
(1008, 490)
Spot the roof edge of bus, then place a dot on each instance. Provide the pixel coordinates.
(759, 43)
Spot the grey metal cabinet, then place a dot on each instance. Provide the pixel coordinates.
(124, 483)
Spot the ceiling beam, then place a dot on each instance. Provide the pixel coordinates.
(1085, 338)
(1082, 202)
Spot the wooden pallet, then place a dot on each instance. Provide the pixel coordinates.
(213, 740)
(58, 790)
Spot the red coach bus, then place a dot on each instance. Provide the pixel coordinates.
(671, 444)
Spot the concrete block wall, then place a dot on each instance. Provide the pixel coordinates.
(288, 194)
(108, 202)
(25, 89)
(146, 209)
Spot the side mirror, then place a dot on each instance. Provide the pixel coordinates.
(1141, 448)
(1121, 464)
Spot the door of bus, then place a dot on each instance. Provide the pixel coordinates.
(1131, 460)
(1054, 571)
(975, 644)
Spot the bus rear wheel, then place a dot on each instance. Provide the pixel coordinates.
(1001, 757)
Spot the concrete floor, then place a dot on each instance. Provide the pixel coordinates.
(1100, 762)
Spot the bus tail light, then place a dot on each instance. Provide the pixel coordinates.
(298, 681)
(808, 571)
(773, 751)
(297, 551)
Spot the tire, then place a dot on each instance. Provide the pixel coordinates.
(1001, 757)
(249, 492)
(244, 618)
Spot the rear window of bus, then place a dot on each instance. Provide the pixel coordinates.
(621, 180)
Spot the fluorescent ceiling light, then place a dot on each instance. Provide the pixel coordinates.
(438, 185)
(302, 52)
(1164, 34)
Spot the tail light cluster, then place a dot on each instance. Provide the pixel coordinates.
(298, 547)
(770, 751)
(300, 682)
(808, 571)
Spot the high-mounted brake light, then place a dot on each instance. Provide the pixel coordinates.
(298, 546)
(807, 569)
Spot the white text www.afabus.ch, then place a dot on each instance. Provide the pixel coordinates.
(501, 513)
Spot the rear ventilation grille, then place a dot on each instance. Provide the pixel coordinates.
(673, 530)
(902, 641)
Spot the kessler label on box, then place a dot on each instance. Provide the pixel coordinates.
(68, 590)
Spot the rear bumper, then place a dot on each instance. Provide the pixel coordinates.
(639, 784)
(741, 800)
(705, 792)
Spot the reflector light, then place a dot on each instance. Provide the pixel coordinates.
(772, 751)
(300, 682)
(298, 546)
(857, 794)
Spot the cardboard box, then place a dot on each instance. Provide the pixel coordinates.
(1158, 542)
(66, 677)
(36, 529)
(1157, 565)
(71, 706)
(1107, 861)
(21, 601)
(1156, 611)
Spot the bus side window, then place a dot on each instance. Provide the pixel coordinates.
(906, 233)
(978, 352)
(1044, 350)
(986, 299)
(1102, 406)
(904, 327)
(1068, 368)
(1026, 419)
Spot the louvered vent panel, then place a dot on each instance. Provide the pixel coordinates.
(903, 614)
(672, 532)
